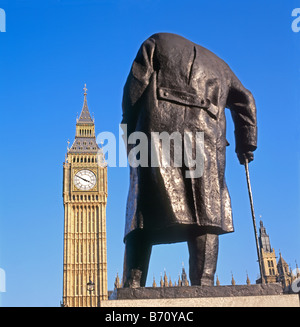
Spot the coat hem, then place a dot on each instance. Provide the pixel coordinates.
(175, 233)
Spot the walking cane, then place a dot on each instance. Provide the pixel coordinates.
(253, 220)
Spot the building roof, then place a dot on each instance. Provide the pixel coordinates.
(281, 261)
(84, 145)
(85, 116)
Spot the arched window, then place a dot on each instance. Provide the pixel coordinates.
(93, 222)
(93, 252)
(76, 284)
(77, 252)
(89, 253)
(77, 221)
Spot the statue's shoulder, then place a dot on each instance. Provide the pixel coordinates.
(169, 42)
(169, 38)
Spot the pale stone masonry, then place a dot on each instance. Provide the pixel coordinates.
(85, 196)
(288, 300)
(257, 295)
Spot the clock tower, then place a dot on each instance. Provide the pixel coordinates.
(84, 195)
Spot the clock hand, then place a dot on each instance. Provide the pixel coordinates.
(84, 179)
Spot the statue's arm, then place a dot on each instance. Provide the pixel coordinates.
(243, 110)
(137, 82)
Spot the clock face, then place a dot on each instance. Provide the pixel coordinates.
(85, 180)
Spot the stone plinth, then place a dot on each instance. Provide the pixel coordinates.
(286, 300)
(270, 295)
(195, 291)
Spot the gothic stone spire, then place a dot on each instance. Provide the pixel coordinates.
(85, 116)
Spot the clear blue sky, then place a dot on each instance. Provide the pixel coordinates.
(51, 48)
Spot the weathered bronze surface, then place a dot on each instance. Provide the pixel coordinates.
(176, 85)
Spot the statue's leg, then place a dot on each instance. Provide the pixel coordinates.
(203, 252)
(136, 261)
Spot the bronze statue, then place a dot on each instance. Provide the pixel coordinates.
(176, 85)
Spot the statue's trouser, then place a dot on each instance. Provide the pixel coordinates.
(136, 261)
(203, 252)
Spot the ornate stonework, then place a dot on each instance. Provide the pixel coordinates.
(84, 194)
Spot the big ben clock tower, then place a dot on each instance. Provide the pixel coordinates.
(84, 194)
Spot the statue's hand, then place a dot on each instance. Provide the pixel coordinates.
(242, 156)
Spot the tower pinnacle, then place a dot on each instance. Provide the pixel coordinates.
(85, 89)
(85, 116)
(85, 140)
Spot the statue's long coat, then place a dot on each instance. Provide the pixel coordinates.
(177, 85)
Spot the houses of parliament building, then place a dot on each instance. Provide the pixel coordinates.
(274, 271)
